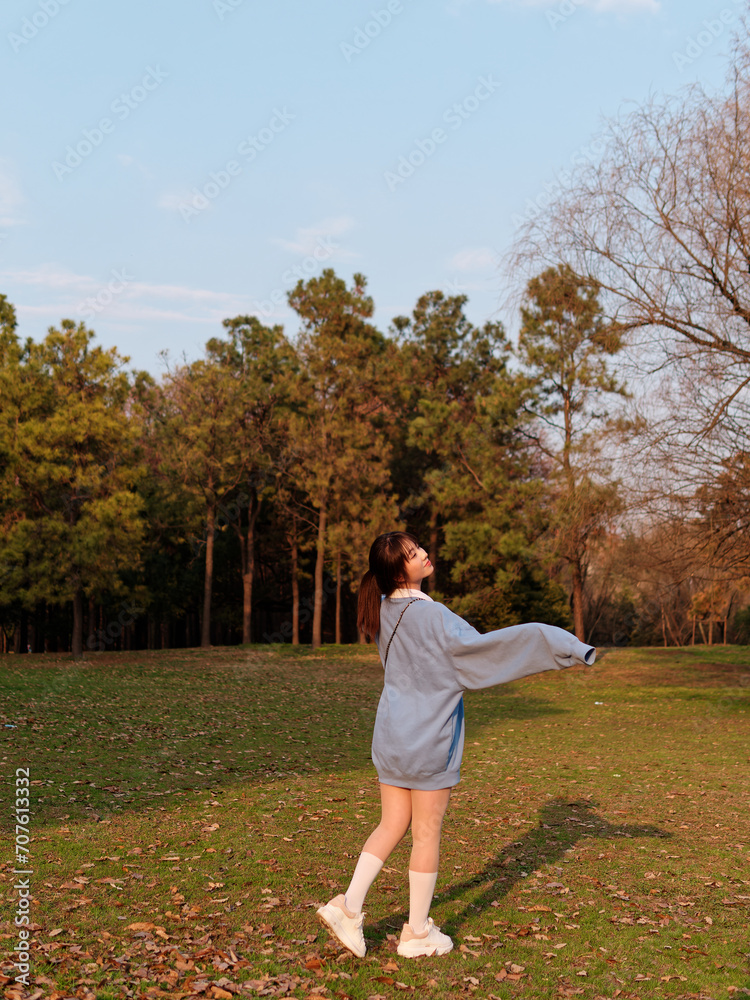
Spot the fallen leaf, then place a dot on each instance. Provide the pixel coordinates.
(468, 951)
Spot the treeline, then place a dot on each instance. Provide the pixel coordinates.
(235, 499)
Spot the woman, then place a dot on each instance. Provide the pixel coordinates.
(430, 657)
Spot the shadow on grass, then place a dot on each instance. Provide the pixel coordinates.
(561, 825)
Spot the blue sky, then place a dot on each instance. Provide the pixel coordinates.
(165, 165)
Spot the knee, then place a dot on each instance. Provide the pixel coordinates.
(427, 830)
(395, 827)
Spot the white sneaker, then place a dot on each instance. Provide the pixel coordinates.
(345, 925)
(429, 942)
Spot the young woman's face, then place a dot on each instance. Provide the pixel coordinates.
(417, 565)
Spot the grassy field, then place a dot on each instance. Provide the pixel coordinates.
(190, 811)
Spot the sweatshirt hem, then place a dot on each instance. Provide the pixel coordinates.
(431, 784)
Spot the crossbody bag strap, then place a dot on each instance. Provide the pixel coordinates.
(385, 660)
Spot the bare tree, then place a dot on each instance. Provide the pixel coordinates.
(662, 223)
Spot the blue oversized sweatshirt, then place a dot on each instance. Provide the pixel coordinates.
(434, 657)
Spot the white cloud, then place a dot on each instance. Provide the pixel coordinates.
(49, 276)
(137, 300)
(173, 201)
(473, 259)
(131, 163)
(307, 239)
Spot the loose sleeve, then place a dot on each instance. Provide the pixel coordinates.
(508, 654)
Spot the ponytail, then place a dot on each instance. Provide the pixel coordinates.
(386, 573)
(368, 605)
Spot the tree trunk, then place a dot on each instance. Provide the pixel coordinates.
(663, 626)
(710, 631)
(209, 577)
(338, 598)
(692, 643)
(78, 623)
(247, 554)
(295, 584)
(319, 564)
(91, 619)
(675, 636)
(578, 624)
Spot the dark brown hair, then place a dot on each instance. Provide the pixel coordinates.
(388, 555)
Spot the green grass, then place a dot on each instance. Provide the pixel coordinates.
(191, 810)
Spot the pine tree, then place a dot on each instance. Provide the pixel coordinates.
(69, 470)
(341, 459)
(565, 344)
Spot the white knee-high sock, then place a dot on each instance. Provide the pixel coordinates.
(421, 889)
(367, 870)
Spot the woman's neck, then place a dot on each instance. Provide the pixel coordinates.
(406, 592)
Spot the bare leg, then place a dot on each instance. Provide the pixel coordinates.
(396, 806)
(428, 811)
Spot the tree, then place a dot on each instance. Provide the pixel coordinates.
(469, 468)
(449, 370)
(260, 364)
(564, 344)
(340, 456)
(199, 447)
(661, 223)
(69, 470)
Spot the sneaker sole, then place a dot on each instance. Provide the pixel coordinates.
(405, 952)
(331, 924)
